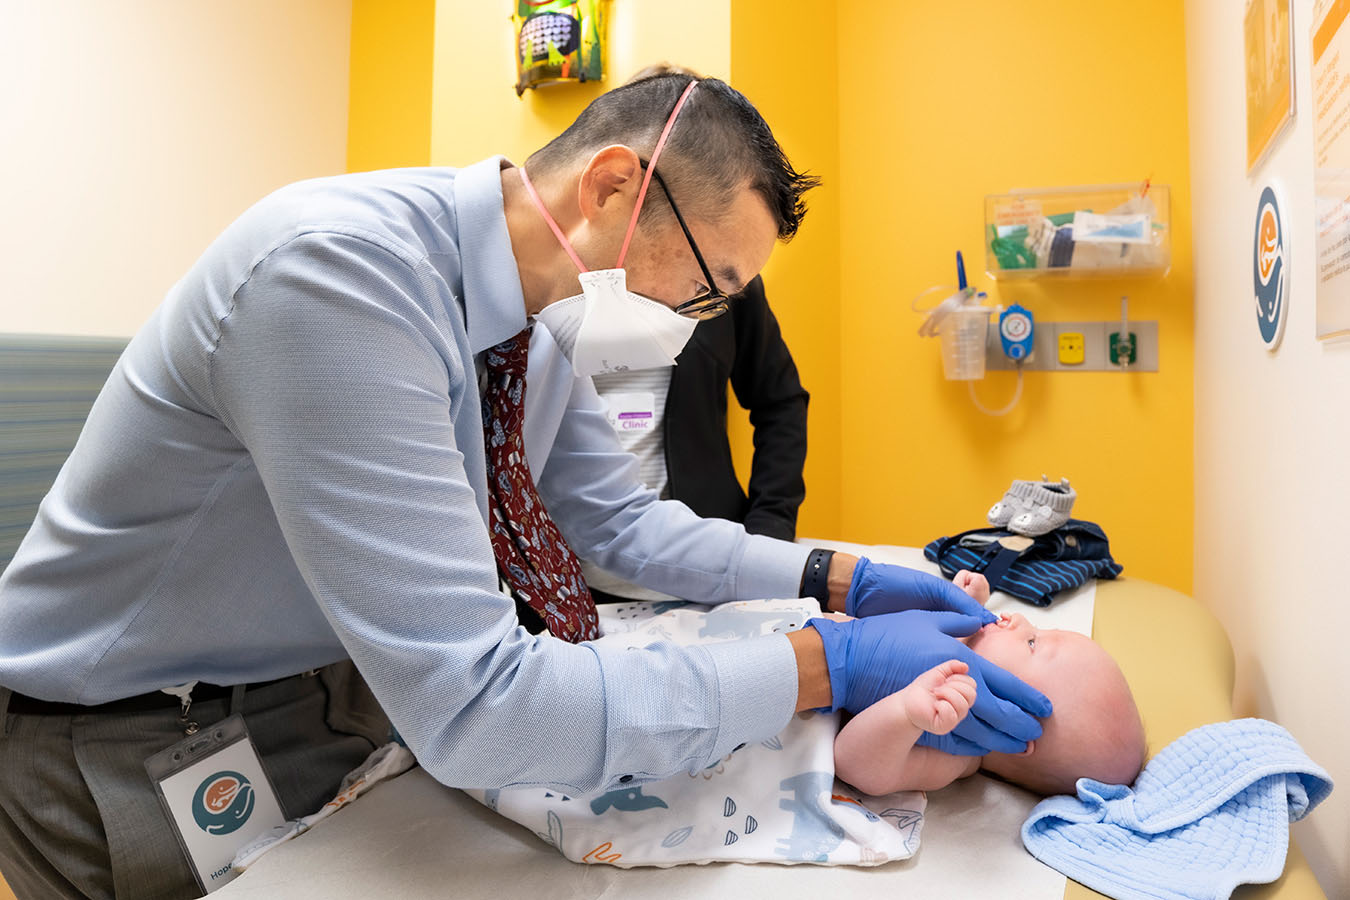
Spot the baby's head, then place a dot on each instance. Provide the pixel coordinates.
(1095, 730)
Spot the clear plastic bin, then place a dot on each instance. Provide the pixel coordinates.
(1120, 230)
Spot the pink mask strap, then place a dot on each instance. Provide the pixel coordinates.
(651, 167)
(557, 232)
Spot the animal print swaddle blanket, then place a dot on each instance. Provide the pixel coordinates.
(776, 801)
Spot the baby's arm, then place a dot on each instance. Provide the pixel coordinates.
(875, 751)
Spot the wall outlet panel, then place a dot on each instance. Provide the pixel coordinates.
(1096, 348)
(1071, 348)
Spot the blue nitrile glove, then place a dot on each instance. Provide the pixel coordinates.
(880, 588)
(874, 657)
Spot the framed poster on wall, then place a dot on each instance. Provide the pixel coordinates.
(1331, 164)
(1270, 75)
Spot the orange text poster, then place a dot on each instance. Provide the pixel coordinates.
(1270, 81)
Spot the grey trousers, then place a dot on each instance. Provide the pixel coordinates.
(79, 817)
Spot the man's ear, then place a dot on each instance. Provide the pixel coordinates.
(610, 182)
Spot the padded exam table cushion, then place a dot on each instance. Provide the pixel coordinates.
(1179, 664)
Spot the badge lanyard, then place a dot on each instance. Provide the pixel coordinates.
(216, 793)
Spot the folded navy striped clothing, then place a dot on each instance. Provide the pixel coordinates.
(1030, 569)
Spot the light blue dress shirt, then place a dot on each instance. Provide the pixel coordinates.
(286, 468)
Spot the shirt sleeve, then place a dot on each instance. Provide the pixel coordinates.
(331, 370)
(591, 488)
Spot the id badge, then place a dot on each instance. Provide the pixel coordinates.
(633, 412)
(217, 795)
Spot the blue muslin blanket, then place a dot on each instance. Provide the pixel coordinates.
(1209, 812)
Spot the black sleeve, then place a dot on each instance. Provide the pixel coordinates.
(766, 383)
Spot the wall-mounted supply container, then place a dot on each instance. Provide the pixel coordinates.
(1112, 230)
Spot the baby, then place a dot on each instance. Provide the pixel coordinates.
(1094, 732)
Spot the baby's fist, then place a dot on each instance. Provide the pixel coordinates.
(974, 584)
(940, 698)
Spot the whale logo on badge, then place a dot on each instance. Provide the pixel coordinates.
(223, 802)
(1268, 268)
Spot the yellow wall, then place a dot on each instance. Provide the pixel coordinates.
(475, 111)
(389, 108)
(911, 126)
(952, 101)
(802, 277)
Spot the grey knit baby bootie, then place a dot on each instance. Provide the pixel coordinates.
(1017, 500)
(1048, 509)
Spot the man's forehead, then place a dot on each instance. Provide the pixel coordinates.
(743, 241)
(729, 279)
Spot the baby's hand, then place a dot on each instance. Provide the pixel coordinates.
(974, 584)
(940, 698)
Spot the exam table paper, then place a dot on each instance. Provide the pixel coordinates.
(413, 838)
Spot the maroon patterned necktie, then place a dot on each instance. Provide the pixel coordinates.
(531, 553)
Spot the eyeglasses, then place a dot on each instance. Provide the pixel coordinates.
(711, 303)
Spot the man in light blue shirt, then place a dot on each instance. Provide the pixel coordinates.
(286, 470)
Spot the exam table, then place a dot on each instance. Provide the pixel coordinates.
(413, 838)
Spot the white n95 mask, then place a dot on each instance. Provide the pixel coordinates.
(607, 328)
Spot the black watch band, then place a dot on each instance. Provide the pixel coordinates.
(815, 578)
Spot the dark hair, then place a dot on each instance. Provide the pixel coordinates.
(719, 143)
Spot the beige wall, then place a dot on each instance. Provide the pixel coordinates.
(1271, 429)
(133, 132)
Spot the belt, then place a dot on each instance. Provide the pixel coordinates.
(19, 704)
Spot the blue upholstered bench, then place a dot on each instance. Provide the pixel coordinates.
(47, 385)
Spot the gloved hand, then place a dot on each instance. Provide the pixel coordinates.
(880, 588)
(874, 657)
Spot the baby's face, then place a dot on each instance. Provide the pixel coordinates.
(1041, 657)
(1094, 730)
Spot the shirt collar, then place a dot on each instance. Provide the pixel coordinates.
(494, 306)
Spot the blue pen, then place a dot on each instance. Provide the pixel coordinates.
(960, 272)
